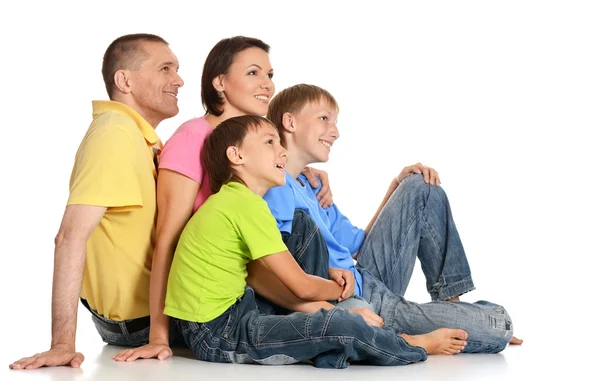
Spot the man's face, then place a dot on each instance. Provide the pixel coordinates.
(154, 86)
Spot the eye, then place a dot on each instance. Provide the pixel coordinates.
(270, 75)
(324, 118)
(164, 68)
(253, 72)
(270, 141)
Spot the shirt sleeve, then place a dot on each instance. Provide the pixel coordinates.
(347, 235)
(181, 153)
(258, 230)
(281, 204)
(105, 171)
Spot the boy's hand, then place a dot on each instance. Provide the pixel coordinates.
(430, 175)
(345, 279)
(325, 197)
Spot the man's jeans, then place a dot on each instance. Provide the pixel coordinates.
(416, 221)
(124, 337)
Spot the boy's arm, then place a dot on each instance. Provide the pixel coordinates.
(429, 175)
(266, 284)
(302, 285)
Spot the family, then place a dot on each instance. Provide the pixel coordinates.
(225, 241)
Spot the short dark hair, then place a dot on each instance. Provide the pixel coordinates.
(125, 52)
(292, 100)
(230, 132)
(218, 62)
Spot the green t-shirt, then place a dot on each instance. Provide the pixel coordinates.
(208, 274)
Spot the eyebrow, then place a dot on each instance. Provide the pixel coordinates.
(258, 66)
(169, 63)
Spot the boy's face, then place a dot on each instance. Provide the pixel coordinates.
(264, 157)
(315, 131)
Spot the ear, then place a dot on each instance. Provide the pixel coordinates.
(218, 82)
(234, 155)
(121, 79)
(288, 122)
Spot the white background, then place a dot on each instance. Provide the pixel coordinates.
(502, 98)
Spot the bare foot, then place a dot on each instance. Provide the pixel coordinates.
(515, 341)
(443, 341)
(453, 299)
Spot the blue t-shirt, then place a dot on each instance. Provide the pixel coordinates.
(343, 239)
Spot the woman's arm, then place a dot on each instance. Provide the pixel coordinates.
(175, 195)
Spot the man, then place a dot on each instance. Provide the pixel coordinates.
(104, 246)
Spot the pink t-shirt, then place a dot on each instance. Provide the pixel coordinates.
(181, 154)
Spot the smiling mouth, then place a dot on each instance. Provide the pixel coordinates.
(174, 95)
(326, 144)
(280, 166)
(263, 98)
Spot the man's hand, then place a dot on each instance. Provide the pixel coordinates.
(160, 351)
(430, 175)
(56, 356)
(325, 197)
(370, 317)
(345, 279)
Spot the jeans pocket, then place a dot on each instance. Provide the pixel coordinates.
(231, 321)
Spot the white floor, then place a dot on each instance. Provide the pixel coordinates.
(543, 354)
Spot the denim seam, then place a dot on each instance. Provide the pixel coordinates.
(403, 235)
(455, 289)
(307, 239)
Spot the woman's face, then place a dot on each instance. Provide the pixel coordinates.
(248, 86)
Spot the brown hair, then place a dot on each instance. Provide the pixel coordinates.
(292, 100)
(218, 62)
(230, 132)
(125, 52)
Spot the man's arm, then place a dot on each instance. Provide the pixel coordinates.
(79, 221)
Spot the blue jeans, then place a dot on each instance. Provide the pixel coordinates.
(416, 222)
(331, 339)
(122, 336)
(307, 245)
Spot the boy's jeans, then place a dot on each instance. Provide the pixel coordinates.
(415, 222)
(331, 339)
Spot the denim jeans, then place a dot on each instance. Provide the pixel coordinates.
(129, 339)
(307, 245)
(330, 338)
(416, 222)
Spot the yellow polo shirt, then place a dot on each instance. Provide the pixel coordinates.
(114, 168)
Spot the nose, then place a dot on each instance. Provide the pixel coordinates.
(177, 81)
(267, 83)
(284, 153)
(335, 133)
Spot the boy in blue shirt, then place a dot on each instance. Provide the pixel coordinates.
(413, 220)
